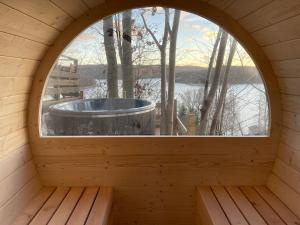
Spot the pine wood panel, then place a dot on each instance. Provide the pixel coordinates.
(13, 183)
(44, 11)
(35, 205)
(158, 198)
(287, 50)
(287, 174)
(291, 120)
(14, 161)
(285, 193)
(233, 214)
(279, 32)
(48, 209)
(93, 3)
(291, 138)
(243, 205)
(13, 141)
(287, 68)
(262, 207)
(16, 67)
(247, 209)
(66, 208)
(63, 205)
(12, 104)
(14, 86)
(12, 122)
(291, 103)
(15, 205)
(181, 217)
(15, 46)
(242, 8)
(289, 86)
(81, 212)
(100, 211)
(278, 206)
(14, 22)
(75, 8)
(208, 207)
(289, 155)
(221, 4)
(272, 13)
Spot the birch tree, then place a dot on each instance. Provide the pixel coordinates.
(124, 38)
(208, 101)
(172, 65)
(162, 48)
(110, 51)
(221, 100)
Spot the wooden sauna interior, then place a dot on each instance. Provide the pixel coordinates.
(155, 180)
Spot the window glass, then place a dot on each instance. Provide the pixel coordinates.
(154, 71)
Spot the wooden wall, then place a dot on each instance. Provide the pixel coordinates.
(275, 26)
(24, 38)
(154, 181)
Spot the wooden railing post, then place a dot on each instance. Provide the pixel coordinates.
(191, 124)
(175, 124)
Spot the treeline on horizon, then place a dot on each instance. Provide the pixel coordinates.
(184, 74)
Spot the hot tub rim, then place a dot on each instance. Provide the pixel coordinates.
(102, 113)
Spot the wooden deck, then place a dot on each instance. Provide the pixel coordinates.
(71, 206)
(257, 205)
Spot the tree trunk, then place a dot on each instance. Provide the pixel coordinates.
(127, 55)
(211, 63)
(110, 51)
(163, 85)
(221, 100)
(172, 64)
(215, 82)
(162, 48)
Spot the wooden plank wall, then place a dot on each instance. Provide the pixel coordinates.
(275, 26)
(28, 28)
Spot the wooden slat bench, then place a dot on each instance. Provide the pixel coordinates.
(71, 206)
(219, 205)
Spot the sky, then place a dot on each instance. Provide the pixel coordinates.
(196, 37)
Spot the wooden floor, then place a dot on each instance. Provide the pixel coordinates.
(71, 206)
(242, 205)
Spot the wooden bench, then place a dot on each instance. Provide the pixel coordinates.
(71, 206)
(257, 205)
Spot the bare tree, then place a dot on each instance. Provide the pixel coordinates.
(162, 48)
(124, 38)
(172, 64)
(208, 101)
(221, 100)
(211, 62)
(127, 55)
(110, 51)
